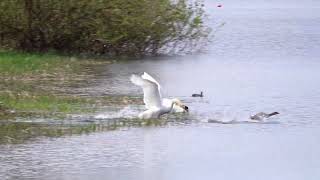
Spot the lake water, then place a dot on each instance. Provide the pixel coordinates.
(264, 58)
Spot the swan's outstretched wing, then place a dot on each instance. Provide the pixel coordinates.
(150, 78)
(151, 94)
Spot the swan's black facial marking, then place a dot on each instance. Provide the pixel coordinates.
(186, 108)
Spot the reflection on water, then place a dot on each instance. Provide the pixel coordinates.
(263, 59)
(19, 132)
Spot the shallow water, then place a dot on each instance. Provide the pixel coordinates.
(265, 58)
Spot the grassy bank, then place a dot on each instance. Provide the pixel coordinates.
(14, 64)
(28, 83)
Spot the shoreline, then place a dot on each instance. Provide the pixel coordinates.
(29, 83)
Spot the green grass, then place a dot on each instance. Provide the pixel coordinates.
(44, 103)
(14, 63)
(19, 83)
(33, 84)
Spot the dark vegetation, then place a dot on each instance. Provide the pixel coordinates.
(107, 27)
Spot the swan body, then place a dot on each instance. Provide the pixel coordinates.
(155, 104)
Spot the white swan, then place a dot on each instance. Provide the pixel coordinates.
(156, 106)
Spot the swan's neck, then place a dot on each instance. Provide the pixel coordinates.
(171, 106)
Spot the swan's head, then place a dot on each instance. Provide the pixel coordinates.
(179, 104)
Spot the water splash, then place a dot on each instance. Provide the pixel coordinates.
(234, 117)
(128, 112)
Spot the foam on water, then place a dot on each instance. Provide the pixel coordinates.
(128, 112)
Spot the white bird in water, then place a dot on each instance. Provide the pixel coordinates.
(155, 104)
(262, 115)
(257, 118)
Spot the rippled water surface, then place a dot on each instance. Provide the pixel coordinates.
(264, 58)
